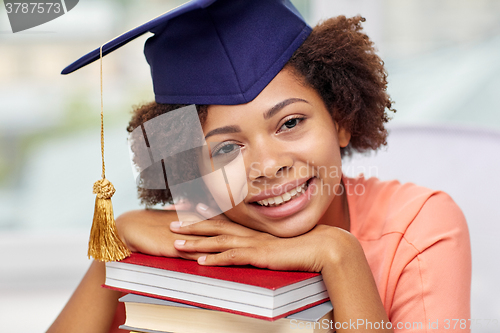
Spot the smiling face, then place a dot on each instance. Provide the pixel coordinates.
(290, 148)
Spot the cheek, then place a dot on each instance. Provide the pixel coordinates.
(330, 162)
(228, 183)
(215, 183)
(236, 177)
(322, 158)
(239, 214)
(320, 151)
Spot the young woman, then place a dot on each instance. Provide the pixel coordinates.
(394, 257)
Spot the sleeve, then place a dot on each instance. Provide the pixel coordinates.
(432, 293)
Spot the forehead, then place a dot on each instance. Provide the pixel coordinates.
(284, 86)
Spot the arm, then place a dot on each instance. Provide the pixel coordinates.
(329, 250)
(431, 270)
(148, 231)
(92, 308)
(351, 286)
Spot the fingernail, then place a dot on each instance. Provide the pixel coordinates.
(179, 242)
(201, 260)
(175, 224)
(202, 206)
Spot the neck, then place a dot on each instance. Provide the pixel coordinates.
(337, 214)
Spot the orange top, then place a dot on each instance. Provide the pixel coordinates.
(417, 244)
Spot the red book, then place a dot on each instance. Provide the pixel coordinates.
(246, 290)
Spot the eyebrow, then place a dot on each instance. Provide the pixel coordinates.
(268, 114)
(224, 130)
(278, 107)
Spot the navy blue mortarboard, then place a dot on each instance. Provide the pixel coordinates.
(215, 51)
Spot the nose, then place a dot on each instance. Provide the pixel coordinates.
(268, 161)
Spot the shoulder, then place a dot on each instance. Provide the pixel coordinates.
(418, 213)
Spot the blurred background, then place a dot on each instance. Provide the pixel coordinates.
(442, 57)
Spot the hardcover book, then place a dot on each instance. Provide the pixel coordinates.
(245, 290)
(147, 314)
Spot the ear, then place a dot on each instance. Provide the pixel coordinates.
(344, 136)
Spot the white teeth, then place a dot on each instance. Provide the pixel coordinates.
(278, 200)
(285, 197)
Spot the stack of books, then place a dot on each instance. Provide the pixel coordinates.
(178, 295)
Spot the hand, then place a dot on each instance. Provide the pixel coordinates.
(234, 244)
(182, 204)
(147, 231)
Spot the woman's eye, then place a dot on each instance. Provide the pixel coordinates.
(226, 149)
(291, 123)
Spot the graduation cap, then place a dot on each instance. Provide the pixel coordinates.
(202, 52)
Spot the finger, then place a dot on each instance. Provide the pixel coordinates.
(215, 244)
(169, 207)
(239, 256)
(157, 241)
(182, 204)
(212, 228)
(209, 213)
(191, 255)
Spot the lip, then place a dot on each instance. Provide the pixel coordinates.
(274, 191)
(289, 208)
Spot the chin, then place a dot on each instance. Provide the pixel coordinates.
(291, 227)
(291, 233)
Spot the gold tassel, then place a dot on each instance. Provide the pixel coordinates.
(104, 243)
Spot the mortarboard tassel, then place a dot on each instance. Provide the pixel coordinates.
(104, 243)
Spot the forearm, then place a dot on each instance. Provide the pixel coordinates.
(143, 230)
(91, 308)
(148, 231)
(353, 291)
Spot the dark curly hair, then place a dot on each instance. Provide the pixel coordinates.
(339, 61)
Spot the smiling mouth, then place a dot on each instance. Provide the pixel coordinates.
(285, 197)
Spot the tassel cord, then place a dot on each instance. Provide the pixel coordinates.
(104, 243)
